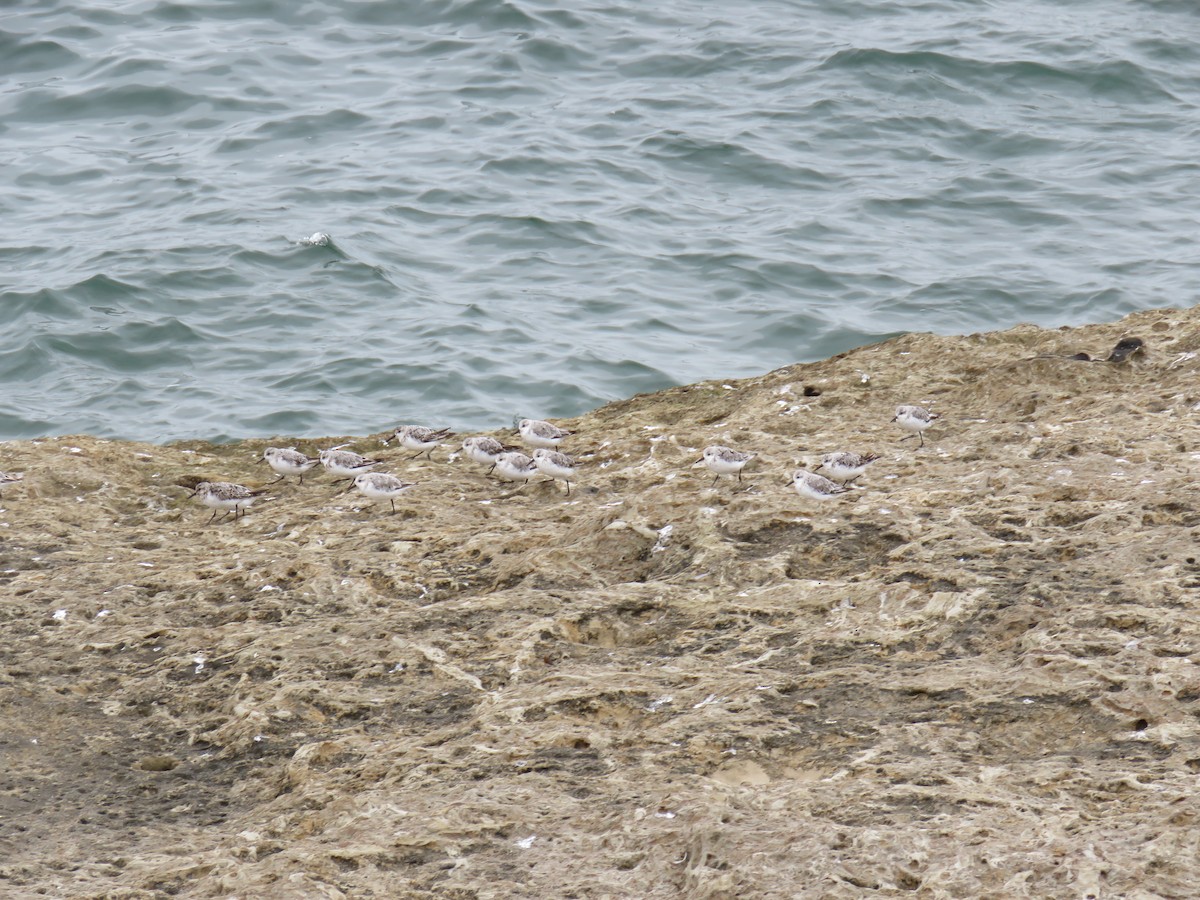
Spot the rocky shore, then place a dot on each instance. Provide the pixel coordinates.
(972, 675)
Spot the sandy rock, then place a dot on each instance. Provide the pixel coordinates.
(971, 675)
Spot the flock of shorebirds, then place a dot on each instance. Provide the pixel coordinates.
(511, 464)
(506, 461)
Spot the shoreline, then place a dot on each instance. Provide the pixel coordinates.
(976, 666)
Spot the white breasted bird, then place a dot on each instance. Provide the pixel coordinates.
(344, 464)
(10, 477)
(537, 433)
(484, 450)
(421, 439)
(284, 462)
(816, 487)
(845, 467)
(381, 486)
(555, 464)
(515, 466)
(726, 461)
(915, 419)
(223, 495)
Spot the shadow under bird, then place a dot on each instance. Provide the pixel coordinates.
(555, 464)
(345, 464)
(380, 486)
(284, 462)
(421, 439)
(224, 495)
(726, 461)
(845, 467)
(915, 419)
(537, 433)
(484, 450)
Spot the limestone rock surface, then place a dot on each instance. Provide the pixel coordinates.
(972, 675)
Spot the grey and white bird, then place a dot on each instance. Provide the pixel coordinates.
(381, 486)
(420, 439)
(537, 433)
(515, 466)
(343, 464)
(726, 461)
(816, 487)
(484, 450)
(845, 467)
(10, 478)
(915, 419)
(285, 461)
(223, 495)
(555, 464)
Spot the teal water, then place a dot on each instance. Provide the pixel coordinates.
(536, 209)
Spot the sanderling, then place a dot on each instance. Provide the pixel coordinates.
(555, 464)
(10, 477)
(223, 495)
(345, 464)
(379, 486)
(515, 466)
(845, 467)
(484, 450)
(816, 487)
(286, 462)
(421, 439)
(725, 461)
(915, 419)
(537, 433)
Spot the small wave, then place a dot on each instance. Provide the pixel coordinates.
(1112, 80)
(24, 54)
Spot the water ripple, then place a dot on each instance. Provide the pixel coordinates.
(535, 209)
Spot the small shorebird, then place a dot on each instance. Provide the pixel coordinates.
(816, 487)
(515, 466)
(380, 486)
(484, 450)
(224, 495)
(537, 433)
(555, 464)
(421, 439)
(725, 461)
(285, 462)
(10, 477)
(343, 464)
(915, 419)
(845, 467)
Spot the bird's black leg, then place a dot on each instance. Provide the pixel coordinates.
(715, 477)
